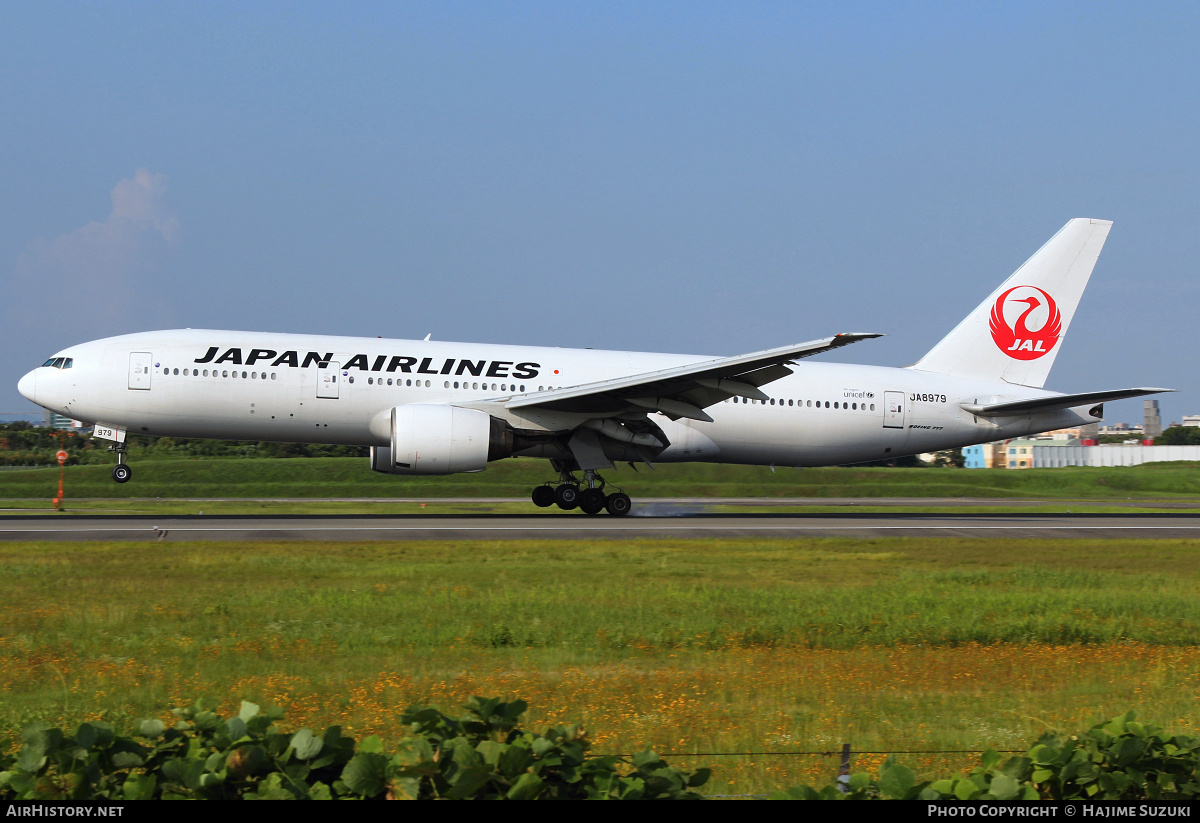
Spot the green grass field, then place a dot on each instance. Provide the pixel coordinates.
(689, 646)
(352, 478)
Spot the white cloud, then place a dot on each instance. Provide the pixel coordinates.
(142, 201)
(98, 277)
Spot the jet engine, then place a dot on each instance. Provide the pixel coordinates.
(435, 439)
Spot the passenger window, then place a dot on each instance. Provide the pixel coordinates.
(351, 378)
(226, 374)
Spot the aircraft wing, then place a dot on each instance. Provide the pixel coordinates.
(685, 391)
(1020, 408)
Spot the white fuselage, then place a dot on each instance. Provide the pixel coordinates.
(264, 386)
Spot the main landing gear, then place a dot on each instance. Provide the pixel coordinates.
(589, 499)
(121, 472)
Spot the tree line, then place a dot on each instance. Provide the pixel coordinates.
(24, 444)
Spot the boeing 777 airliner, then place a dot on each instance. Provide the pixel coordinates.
(429, 408)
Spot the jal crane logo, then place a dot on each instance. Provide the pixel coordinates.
(1019, 341)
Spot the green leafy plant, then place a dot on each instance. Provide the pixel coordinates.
(484, 755)
(1118, 760)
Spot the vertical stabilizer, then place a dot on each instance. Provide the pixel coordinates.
(1016, 333)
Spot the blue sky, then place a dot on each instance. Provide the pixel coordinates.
(693, 177)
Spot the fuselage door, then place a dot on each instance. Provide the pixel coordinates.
(893, 410)
(140, 365)
(328, 380)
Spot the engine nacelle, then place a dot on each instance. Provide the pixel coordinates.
(437, 439)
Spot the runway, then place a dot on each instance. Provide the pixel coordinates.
(575, 526)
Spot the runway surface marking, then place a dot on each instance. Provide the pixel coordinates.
(482, 527)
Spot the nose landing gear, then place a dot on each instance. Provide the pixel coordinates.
(121, 472)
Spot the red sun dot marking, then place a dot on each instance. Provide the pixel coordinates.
(556, 371)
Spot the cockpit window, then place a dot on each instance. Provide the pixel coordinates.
(67, 363)
(49, 362)
(59, 362)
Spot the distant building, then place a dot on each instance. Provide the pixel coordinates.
(53, 420)
(1152, 420)
(1122, 429)
(984, 456)
(1022, 452)
(1110, 455)
(1016, 453)
(1192, 420)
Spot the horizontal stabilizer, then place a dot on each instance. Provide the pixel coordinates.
(1020, 408)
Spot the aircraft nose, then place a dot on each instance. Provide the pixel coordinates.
(28, 386)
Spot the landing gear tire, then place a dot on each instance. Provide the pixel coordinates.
(591, 501)
(618, 504)
(566, 496)
(543, 496)
(121, 473)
